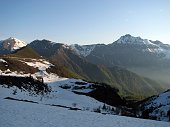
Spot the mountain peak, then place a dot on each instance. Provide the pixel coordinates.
(129, 39)
(13, 44)
(12, 38)
(127, 35)
(44, 41)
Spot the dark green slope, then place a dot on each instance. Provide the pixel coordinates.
(25, 52)
(130, 84)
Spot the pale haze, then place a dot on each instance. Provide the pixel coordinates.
(84, 21)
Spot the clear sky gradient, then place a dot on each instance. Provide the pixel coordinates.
(84, 21)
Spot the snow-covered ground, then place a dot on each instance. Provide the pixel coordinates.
(24, 114)
(53, 109)
(19, 113)
(159, 106)
(41, 64)
(58, 96)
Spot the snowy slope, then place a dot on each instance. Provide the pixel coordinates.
(58, 96)
(23, 114)
(83, 50)
(41, 64)
(158, 106)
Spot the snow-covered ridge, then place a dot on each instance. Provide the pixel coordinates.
(13, 44)
(146, 45)
(159, 106)
(83, 50)
(128, 39)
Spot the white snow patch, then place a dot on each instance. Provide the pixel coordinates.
(65, 46)
(41, 65)
(83, 50)
(2, 60)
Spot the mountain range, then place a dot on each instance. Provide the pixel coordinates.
(115, 64)
(142, 56)
(71, 77)
(125, 43)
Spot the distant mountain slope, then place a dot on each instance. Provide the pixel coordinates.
(142, 56)
(11, 44)
(124, 45)
(129, 84)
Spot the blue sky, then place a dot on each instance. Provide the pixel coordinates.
(84, 21)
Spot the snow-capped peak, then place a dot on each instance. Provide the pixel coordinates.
(145, 45)
(13, 44)
(128, 39)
